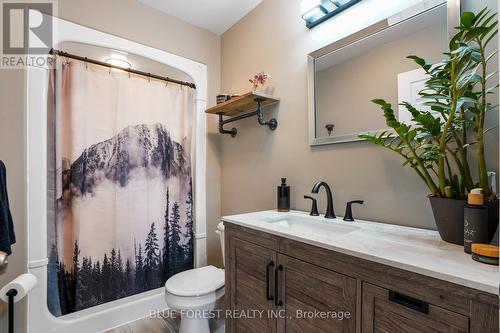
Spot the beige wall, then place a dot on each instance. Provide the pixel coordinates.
(134, 21)
(12, 153)
(274, 38)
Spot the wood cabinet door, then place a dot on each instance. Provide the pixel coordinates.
(384, 311)
(315, 299)
(251, 274)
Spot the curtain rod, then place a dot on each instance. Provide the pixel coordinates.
(129, 70)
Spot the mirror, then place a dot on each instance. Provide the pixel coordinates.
(346, 75)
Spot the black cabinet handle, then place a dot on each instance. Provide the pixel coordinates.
(409, 302)
(277, 301)
(269, 267)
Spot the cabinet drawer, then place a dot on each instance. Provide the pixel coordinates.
(386, 312)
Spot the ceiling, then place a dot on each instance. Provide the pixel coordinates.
(216, 16)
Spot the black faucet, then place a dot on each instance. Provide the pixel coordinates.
(348, 210)
(330, 213)
(314, 206)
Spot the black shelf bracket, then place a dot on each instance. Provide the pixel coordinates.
(272, 123)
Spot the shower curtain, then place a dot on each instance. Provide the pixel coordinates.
(120, 186)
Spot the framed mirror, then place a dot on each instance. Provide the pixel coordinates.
(344, 77)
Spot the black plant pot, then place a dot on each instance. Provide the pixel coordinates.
(449, 218)
(493, 218)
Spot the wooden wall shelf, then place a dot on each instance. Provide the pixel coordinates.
(243, 103)
(245, 106)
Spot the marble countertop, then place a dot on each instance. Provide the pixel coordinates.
(417, 250)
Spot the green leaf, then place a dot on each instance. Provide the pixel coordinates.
(426, 65)
(474, 110)
(465, 99)
(470, 144)
(490, 107)
(479, 17)
(467, 19)
(380, 102)
(488, 20)
(489, 76)
(448, 190)
(491, 90)
(489, 129)
(491, 55)
(454, 42)
(490, 38)
(476, 32)
(411, 135)
(434, 96)
(439, 105)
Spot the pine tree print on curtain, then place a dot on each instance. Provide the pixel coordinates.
(121, 185)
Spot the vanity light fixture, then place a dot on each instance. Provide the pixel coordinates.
(315, 12)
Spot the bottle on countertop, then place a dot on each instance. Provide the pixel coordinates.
(283, 196)
(475, 220)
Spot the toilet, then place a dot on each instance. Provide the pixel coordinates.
(195, 291)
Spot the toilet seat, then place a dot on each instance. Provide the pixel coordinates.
(196, 282)
(203, 302)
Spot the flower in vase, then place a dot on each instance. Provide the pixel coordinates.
(259, 79)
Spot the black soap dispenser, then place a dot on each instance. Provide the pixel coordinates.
(283, 196)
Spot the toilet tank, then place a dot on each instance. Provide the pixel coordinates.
(220, 232)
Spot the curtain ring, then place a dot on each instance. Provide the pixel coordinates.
(109, 71)
(129, 72)
(149, 77)
(166, 83)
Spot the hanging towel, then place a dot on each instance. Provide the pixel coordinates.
(7, 236)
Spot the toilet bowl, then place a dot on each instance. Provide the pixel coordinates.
(193, 293)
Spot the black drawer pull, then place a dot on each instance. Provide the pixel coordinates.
(269, 267)
(277, 301)
(409, 302)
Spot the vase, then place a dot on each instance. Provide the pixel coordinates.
(449, 218)
(492, 219)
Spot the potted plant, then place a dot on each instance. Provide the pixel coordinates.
(436, 145)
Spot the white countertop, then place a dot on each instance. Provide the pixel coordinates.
(417, 250)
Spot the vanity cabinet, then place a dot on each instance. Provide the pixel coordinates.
(297, 287)
(272, 292)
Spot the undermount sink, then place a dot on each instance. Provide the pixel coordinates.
(304, 224)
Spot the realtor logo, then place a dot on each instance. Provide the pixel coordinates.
(26, 31)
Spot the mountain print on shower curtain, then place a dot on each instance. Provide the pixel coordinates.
(126, 205)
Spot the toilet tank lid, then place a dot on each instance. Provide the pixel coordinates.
(196, 282)
(220, 226)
